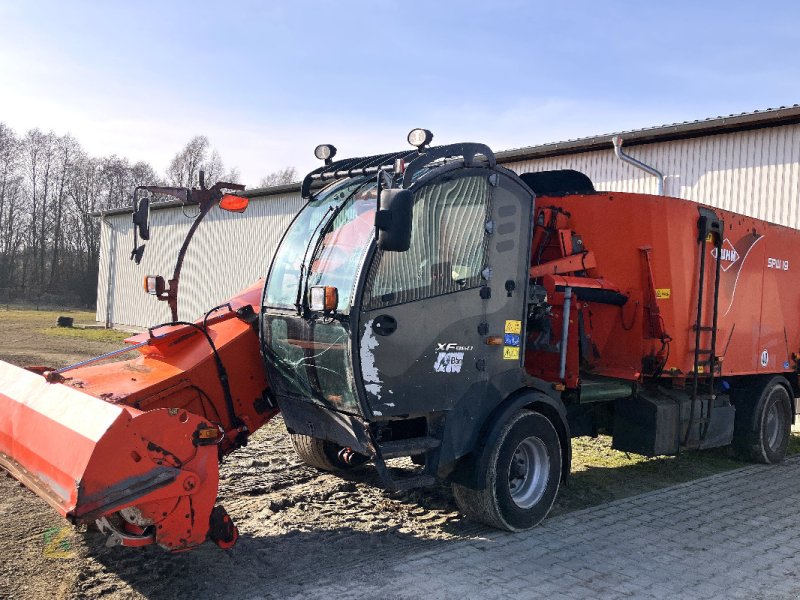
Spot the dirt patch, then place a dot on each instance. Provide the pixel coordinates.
(30, 337)
(300, 527)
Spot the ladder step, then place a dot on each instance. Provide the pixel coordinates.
(408, 447)
(703, 328)
(704, 351)
(409, 483)
(402, 484)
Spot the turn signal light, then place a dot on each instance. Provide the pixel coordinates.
(154, 285)
(324, 298)
(233, 203)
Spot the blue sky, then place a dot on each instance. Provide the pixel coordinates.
(267, 81)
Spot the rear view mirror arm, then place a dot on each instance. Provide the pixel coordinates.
(205, 198)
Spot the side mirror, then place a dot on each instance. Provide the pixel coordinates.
(394, 220)
(141, 218)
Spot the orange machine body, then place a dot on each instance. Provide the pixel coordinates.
(136, 444)
(647, 250)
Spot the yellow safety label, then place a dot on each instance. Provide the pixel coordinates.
(710, 237)
(513, 326)
(663, 293)
(511, 352)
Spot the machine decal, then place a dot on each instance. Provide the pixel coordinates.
(730, 278)
(778, 263)
(513, 326)
(448, 362)
(372, 380)
(511, 339)
(453, 347)
(663, 293)
(510, 353)
(764, 358)
(729, 255)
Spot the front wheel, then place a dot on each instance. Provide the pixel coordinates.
(323, 454)
(522, 476)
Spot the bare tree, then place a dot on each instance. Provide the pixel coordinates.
(10, 204)
(280, 177)
(196, 156)
(49, 189)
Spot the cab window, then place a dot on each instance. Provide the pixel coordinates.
(448, 246)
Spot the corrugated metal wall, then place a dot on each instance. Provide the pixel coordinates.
(228, 253)
(755, 173)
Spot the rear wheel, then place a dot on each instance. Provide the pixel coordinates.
(762, 428)
(522, 476)
(325, 455)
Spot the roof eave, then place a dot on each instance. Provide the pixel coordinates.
(662, 133)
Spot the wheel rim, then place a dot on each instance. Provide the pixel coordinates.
(773, 425)
(528, 472)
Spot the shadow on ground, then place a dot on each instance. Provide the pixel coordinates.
(270, 566)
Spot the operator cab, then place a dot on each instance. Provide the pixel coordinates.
(365, 343)
(359, 338)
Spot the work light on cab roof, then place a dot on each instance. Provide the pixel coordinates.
(420, 138)
(325, 152)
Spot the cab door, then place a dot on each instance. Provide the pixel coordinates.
(426, 313)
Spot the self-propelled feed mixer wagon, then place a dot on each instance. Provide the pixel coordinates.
(433, 304)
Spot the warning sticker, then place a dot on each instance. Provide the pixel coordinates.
(663, 293)
(510, 353)
(511, 339)
(513, 326)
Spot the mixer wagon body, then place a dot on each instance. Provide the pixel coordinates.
(634, 235)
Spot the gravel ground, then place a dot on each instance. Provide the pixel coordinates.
(299, 527)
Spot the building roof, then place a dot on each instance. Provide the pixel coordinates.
(757, 119)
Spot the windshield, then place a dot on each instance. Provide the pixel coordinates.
(282, 287)
(338, 255)
(311, 358)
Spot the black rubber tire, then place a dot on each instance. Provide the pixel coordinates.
(493, 504)
(323, 454)
(755, 437)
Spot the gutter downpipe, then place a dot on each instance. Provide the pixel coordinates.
(111, 271)
(617, 141)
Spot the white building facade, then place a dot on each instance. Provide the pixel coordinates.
(748, 163)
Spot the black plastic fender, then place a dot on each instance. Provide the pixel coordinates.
(553, 408)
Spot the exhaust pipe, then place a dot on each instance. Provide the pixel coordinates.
(617, 141)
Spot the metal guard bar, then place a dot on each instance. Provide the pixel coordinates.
(467, 150)
(350, 167)
(369, 165)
